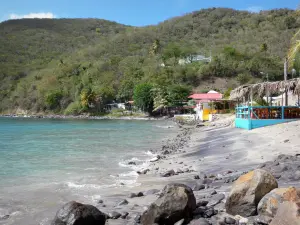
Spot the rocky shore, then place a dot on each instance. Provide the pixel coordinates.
(206, 176)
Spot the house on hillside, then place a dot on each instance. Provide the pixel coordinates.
(194, 58)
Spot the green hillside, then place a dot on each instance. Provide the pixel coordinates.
(77, 65)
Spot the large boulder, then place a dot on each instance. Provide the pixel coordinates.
(176, 202)
(287, 214)
(269, 204)
(74, 213)
(248, 190)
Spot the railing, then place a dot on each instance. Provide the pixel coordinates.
(267, 112)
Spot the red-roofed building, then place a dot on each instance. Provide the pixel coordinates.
(210, 96)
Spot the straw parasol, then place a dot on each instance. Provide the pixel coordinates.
(260, 89)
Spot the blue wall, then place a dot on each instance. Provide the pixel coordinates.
(249, 124)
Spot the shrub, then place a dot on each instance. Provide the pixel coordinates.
(73, 108)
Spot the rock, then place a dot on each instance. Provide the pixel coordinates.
(196, 177)
(216, 199)
(248, 190)
(132, 195)
(229, 220)
(210, 212)
(197, 186)
(114, 215)
(241, 220)
(200, 221)
(4, 217)
(100, 201)
(145, 171)
(132, 163)
(269, 204)
(201, 203)
(140, 194)
(155, 159)
(180, 222)
(168, 173)
(74, 213)
(286, 141)
(176, 202)
(178, 171)
(124, 215)
(151, 192)
(287, 214)
(186, 170)
(123, 202)
(137, 218)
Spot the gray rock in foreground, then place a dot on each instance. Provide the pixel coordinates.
(74, 213)
(176, 202)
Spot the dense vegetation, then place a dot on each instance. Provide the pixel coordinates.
(78, 65)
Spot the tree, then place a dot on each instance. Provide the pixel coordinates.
(155, 48)
(243, 78)
(264, 47)
(178, 94)
(143, 98)
(172, 50)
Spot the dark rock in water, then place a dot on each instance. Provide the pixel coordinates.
(4, 217)
(132, 195)
(168, 173)
(123, 202)
(216, 199)
(229, 220)
(151, 192)
(114, 215)
(166, 152)
(186, 170)
(196, 177)
(200, 221)
(176, 202)
(248, 190)
(132, 163)
(100, 201)
(74, 213)
(124, 215)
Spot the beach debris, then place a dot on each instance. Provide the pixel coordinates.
(269, 204)
(176, 202)
(114, 215)
(248, 190)
(76, 213)
(287, 213)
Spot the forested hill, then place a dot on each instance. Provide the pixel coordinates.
(67, 65)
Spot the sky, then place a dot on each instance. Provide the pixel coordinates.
(129, 12)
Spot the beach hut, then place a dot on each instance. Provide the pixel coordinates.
(204, 103)
(250, 116)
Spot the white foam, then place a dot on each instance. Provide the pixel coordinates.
(93, 168)
(129, 174)
(150, 153)
(87, 186)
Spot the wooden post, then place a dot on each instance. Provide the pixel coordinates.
(286, 65)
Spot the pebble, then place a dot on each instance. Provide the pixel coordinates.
(123, 202)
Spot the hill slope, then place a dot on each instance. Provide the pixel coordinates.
(47, 65)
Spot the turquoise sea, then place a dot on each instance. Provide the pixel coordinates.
(45, 163)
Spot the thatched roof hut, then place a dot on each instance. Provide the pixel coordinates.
(261, 89)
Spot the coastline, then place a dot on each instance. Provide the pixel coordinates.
(84, 117)
(218, 151)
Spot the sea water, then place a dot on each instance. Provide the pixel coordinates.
(45, 163)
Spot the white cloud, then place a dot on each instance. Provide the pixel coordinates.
(41, 15)
(255, 9)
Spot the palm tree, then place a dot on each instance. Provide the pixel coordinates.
(295, 47)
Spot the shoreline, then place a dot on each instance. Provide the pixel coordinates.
(83, 117)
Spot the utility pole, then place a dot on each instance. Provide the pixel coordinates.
(286, 66)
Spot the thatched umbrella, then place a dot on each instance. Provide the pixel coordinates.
(260, 89)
